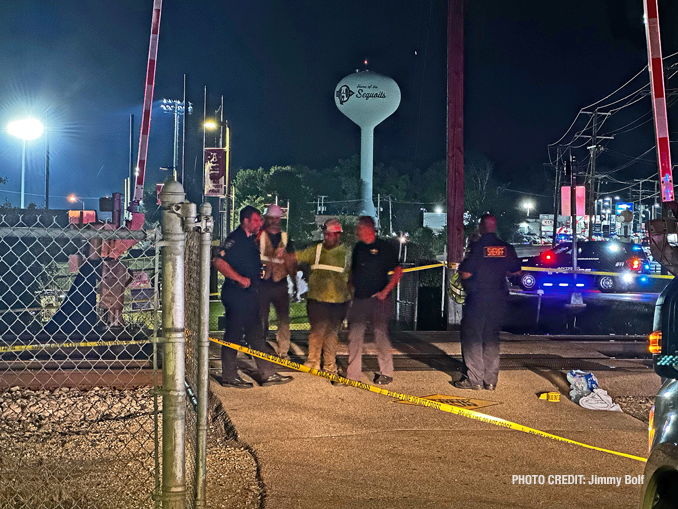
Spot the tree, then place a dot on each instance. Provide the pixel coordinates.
(261, 187)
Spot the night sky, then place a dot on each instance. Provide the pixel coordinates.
(529, 67)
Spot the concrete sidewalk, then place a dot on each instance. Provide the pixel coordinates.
(326, 446)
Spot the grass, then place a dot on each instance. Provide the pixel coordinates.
(298, 317)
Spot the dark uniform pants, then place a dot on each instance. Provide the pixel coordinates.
(242, 328)
(377, 312)
(276, 294)
(480, 326)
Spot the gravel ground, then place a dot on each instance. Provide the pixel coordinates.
(636, 406)
(69, 448)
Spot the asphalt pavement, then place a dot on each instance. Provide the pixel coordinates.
(325, 446)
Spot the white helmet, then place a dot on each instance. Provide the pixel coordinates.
(273, 211)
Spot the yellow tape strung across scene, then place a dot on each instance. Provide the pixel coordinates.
(82, 344)
(470, 414)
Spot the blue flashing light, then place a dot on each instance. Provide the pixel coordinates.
(563, 284)
(580, 284)
(646, 266)
(644, 279)
(548, 284)
(637, 248)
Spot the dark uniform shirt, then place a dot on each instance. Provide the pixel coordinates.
(370, 265)
(488, 262)
(242, 253)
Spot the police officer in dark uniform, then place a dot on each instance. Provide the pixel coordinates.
(238, 260)
(483, 273)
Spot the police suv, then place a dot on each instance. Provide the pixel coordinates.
(623, 262)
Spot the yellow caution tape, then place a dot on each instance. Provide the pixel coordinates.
(82, 344)
(593, 272)
(444, 407)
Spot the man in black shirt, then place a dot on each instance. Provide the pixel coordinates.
(483, 273)
(238, 260)
(371, 262)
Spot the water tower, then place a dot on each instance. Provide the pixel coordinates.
(368, 99)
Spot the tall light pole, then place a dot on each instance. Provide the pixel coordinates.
(26, 130)
(528, 204)
(176, 108)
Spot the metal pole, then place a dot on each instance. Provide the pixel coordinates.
(390, 215)
(23, 172)
(204, 134)
(183, 136)
(416, 299)
(455, 144)
(131, 163)
(220, 213)
(443, 293)
(47, 170)
(175, 155)
(206, 227)
(573, 215)
(173, 368)
(229, 195)
(556, 196)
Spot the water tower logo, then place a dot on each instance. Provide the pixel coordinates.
(344, 93)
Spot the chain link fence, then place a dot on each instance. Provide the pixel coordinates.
(78, 364)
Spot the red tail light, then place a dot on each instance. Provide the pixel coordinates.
(548, 257)
(634, 263)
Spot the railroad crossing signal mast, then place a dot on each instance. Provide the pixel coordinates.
(661, 126)
(140, 170)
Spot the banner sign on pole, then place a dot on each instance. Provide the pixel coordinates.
(565, 200)
(215, 171)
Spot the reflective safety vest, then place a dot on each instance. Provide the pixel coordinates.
(274, 267)
(455, 289)
(321, 266)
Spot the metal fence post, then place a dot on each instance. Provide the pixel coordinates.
(206, 228)
(173, 364)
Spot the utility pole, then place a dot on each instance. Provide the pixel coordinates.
(595, 150)
(455, 146)
(576, 300)
(556, 195)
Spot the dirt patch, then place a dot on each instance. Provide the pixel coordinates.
(636, 406)
(96, 449)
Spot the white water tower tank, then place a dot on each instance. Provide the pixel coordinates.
(367, 98)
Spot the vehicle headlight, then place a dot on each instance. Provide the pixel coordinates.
(627, 278)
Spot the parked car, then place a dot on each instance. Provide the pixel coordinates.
(627, 261)
(660, 483)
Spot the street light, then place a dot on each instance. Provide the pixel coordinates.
(176, 108)
(74, 199)
(26, 130)
(528, 204)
